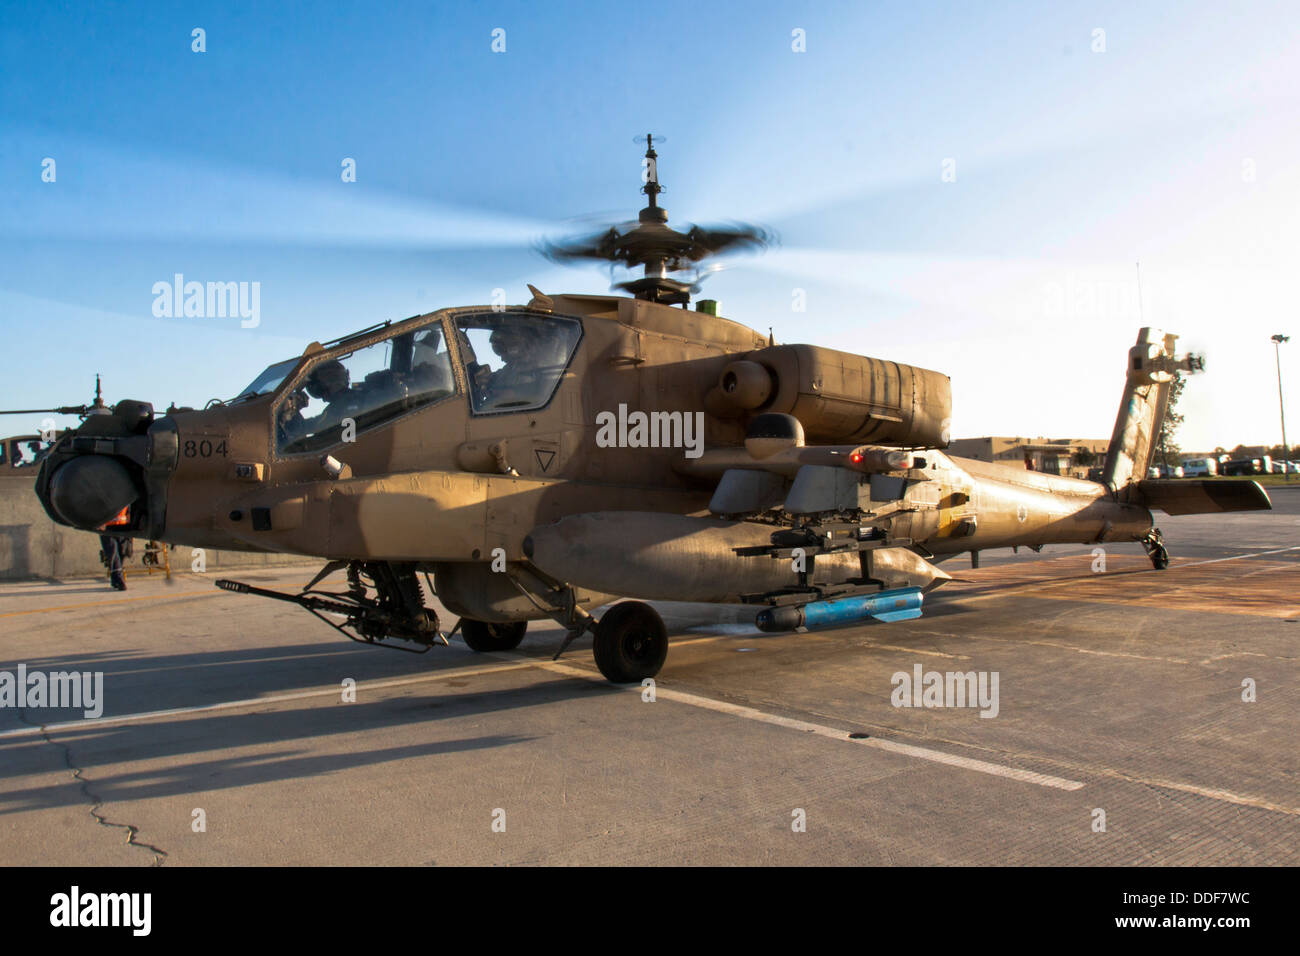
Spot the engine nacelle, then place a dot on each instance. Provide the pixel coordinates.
(838, 397)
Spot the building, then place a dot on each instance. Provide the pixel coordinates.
(1056, 456)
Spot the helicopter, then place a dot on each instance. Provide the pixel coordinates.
(28, 450)
(542, 461)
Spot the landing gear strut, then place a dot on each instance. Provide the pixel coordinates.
(1155, 548)
(631, 642)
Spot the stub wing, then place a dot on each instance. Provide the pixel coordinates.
(803, 479)
(1182, 496)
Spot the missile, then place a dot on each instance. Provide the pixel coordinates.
(900, 604)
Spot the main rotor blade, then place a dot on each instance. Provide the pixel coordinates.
(151, 199)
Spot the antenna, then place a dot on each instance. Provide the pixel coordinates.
(652, 187)
(1139, 272)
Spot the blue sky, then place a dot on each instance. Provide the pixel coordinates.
(1177, 147)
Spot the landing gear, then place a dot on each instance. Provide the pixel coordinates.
(1155, 548)
(394, 612)
(631, 643)
(488, 636)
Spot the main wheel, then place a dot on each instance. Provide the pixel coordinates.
(631, 643)
(1159, 557)
(488, 636)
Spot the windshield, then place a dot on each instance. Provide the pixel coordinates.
(346, 393)
(514, 361)
(269, 380)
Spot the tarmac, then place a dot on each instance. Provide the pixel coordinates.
(1121, 732)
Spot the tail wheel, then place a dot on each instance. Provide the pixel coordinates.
(1154, 543)
(631, 643)
(489, 636)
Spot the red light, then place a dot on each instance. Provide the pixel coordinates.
(856, 457)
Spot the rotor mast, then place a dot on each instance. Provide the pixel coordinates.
(653, 213)
(655, 246)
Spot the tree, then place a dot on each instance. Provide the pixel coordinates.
(1165, 440)
(1084, 456)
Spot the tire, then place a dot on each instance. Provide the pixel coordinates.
(1160, 558)
(488, 636)
(631, 643)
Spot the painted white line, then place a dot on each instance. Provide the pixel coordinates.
(92, 723)
(833, 733)
(914, 650)
(1236, 557)
(924, 753)
(1225, 795)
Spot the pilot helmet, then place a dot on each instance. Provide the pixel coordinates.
(327, 379)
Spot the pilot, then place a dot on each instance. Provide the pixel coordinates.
(331, 383)
(517, 382)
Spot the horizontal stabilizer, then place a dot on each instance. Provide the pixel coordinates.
(1202, 496)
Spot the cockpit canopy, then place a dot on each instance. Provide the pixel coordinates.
(340, 395)
(512, 361)
(269, 380)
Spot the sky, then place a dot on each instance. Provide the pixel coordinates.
(965, 187)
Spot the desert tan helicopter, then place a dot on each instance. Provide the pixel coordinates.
(541, 461)
(25, 452)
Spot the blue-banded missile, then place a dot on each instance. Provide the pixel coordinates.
(900, 604)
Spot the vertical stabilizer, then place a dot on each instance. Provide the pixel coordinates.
(1151, 368)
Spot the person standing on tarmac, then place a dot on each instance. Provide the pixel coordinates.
(114, 550)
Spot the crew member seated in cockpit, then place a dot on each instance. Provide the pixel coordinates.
(331, 383)
(517, 383)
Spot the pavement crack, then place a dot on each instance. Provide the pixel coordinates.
(96, 801)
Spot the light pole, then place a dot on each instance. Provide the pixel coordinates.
(1277, 351)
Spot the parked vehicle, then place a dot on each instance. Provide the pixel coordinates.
(1200, 467)
(1247, 466)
